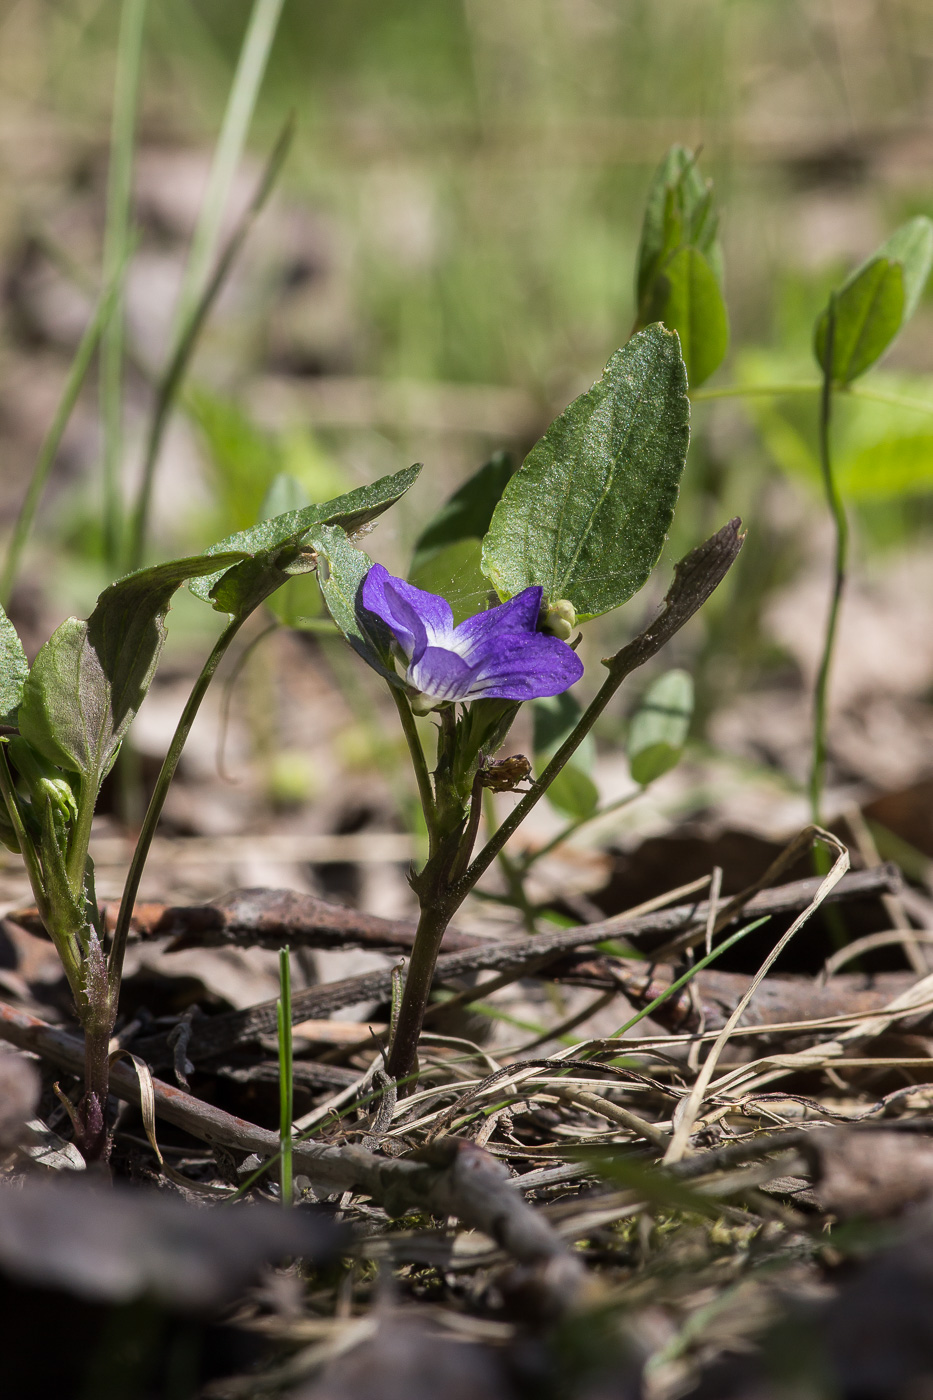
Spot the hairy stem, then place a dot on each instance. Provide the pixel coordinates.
(157, 802)
(837, 510)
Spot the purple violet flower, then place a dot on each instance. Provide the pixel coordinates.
(498, 654)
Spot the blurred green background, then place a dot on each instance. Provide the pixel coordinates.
(450, 254)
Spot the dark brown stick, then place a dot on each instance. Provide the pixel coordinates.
(218, 1034)
(263, 918)
(455, 1178)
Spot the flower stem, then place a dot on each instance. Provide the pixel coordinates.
(157, 802)
(435, 916)
(420, 765)
(837, 510)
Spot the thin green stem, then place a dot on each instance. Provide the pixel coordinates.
(157, 802)
(837, 510)
(52, 441)
(420, 765)
(855, 391)
(116, 251)
(286, 1078)
(537, 790)
(241, 103)
(76, 863)
(173, 375)
(26, 845)
(751, 391)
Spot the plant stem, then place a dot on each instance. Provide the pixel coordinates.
(26, 845)
(116, 252)
(748, 391)
(286, 1078)
(95, 1140)
(403, 1052)
(52, 441)
(420, 765)
(837, 510)
(157, 802)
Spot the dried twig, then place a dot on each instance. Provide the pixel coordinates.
(218, 1034)
(454, 1178)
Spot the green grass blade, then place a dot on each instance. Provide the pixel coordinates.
(241, 103)
(174, 373)
(116, 251)
(52, 441)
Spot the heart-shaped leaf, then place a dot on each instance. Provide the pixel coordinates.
(587, 513)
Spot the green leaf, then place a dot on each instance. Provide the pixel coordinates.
(455, 573)
(574, 793)
(90, 678)
(678, 211)
(554, 719)
(912, 246)
(587, 513)
(285, 494)
(687, 298)
(341, 569)
(659, 727)
(268, 539)
(467, 514)
(869, 312)
(14, 668)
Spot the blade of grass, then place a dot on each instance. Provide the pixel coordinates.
(286, 1078)
(251, 68)
(174, 372)
(116, 252)
(52, 441)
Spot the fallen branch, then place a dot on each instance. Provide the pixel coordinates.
(454, 1177)
(218, 1034)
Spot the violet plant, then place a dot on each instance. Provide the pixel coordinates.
(571, 536)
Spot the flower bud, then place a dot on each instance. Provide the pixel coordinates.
(560, 620)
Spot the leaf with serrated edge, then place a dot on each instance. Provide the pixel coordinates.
(14, 668)
(350, 511)
(90, 678)
(587, 514)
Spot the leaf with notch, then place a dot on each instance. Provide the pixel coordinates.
(14, 668)
(90, 678)
(341, 569)
(587, 513)
(267, 539)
